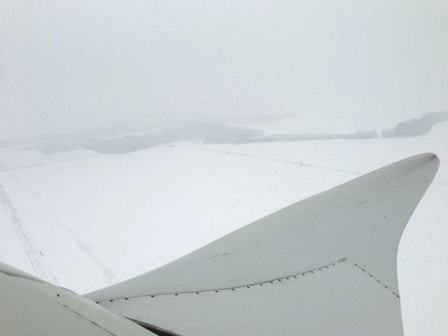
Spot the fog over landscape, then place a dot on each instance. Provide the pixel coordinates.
(132, 133)
(69, 65)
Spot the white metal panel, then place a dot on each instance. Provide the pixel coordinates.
(33, 308)
(338, 300)
(361, 220)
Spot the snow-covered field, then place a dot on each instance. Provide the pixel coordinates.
(84, 220)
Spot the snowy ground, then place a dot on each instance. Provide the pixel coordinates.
(85, 220)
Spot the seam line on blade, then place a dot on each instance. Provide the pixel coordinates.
(373, 277)
(261, 283)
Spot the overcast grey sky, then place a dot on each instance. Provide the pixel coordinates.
(68, 64)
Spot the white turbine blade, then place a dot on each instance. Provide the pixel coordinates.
(331, 260)
(31, 307)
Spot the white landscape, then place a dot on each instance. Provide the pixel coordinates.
(85, 220)
(132, 133)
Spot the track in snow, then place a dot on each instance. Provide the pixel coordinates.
(8, 168)
(34, 254)
(298, 163)
(85, 248)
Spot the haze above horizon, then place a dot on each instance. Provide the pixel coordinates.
(67, 65)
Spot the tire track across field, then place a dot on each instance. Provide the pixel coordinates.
(8, 168)
(302, 164)
(298, 163)
(31, 248)
(109, 275)
(85, 248)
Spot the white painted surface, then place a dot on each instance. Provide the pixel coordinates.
(33, 308)
(362, 220)
(348, 302)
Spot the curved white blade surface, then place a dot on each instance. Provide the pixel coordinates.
(358, 224)
(30, 307)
